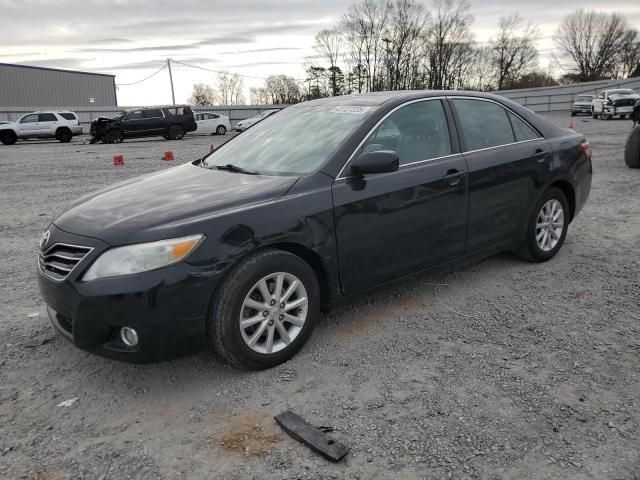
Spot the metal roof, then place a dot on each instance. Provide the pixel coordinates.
(54, 69)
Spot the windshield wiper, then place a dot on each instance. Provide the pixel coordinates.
(234, 168)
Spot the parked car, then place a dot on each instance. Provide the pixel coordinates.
(242, 125)
(615, 102)
(582, 104)
(210, 123)
(62, 125)
(171, 122)
(326, 200)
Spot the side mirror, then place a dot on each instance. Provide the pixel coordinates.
(382, 161)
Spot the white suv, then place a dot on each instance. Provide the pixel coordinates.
(61, 125)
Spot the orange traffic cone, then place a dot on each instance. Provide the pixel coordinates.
(118, 160)
(168, 156)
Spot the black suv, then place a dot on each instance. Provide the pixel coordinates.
(171, 122)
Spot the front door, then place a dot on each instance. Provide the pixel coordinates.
(29, 125)
(393, 224)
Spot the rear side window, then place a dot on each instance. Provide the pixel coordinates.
(416, 132)
(68, 116)
(521, 130)
(484, 124)
(47, 117)
(152, 113)
(177, 111)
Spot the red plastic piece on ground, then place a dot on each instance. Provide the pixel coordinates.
(168, 156)
(118, 160)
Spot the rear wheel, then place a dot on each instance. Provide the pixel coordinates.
(573, 114)
(64, 135)
(176, 132)
(264, 311)
(221, 130)
(632, 149)
(8, 137)
(547, 227)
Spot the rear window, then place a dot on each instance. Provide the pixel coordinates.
(484, 124)
(178, 111)
(68, 116)
(47, 117)
(521, 129)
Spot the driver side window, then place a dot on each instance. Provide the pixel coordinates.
(416, 132)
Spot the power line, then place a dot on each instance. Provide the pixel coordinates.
(144, 79)
(217, 71)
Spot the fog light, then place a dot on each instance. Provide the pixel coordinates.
(129, 336)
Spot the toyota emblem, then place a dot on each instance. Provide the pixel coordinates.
(44, 239)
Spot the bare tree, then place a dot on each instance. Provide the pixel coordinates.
(364, 25)
(513, 50)
(328, 45)
(259, 96)
(282, 90)
(480, 75)
(202, 95)
(230, 89)
(449, 44)
(630, 54)
(408, 22)
(591, 42)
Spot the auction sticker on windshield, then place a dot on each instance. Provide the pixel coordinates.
(351, 109)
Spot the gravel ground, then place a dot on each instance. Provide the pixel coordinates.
(501, 369)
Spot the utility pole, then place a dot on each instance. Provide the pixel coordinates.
(173, 95)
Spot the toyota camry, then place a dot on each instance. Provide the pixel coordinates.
(241, 250)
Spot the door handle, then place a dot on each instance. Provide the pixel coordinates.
(540, 155)
(453, 176)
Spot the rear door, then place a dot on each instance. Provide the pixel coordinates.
(154, 123)
(393, 224)
(508, 162)
(47, 124)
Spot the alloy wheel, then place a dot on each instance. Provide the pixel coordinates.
(273, 313)
(549, 225)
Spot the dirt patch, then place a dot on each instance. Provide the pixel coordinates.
(367, 318)
(253, 433)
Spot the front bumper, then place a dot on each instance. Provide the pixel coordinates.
(167, 307)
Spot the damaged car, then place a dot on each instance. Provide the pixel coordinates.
(171, 122)
(617, 102)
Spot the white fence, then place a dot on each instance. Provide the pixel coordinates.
(551, 99)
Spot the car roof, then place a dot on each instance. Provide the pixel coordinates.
(380, 98)
(156, 106)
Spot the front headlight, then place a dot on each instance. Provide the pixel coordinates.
(142, 257)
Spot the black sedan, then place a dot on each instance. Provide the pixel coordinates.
(242, 249)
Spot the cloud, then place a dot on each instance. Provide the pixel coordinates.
(259, 50)
(227, 40)
(136, 49)
(64, 63)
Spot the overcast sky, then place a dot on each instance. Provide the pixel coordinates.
(132, 38)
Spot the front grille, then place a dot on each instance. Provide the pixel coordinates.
(627, 102)
(59, 260)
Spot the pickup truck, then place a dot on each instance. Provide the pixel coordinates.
(618, 102)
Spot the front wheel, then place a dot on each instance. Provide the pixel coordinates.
(604, 116)
(8, 138)
(221, 130)
(264, 311)
(547, 227)
(113, 136)
(594, 115)
(176, 132)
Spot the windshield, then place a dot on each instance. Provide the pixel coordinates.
(294, 141)
(119, 116)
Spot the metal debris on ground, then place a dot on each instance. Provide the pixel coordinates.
(311, 436)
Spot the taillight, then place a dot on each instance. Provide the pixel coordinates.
(585, 149)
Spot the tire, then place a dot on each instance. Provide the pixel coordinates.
(232, 343)
(221, 130)
(175, 132)
(604, 116)
(530, 249)
(113, 136)
(632, 149)
(573, 114)
(64, 135)
(8, 137)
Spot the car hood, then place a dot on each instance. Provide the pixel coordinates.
(8, 125)
(615, 98)
(163, 204)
